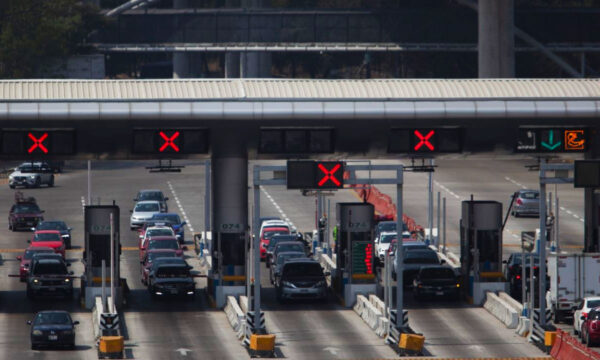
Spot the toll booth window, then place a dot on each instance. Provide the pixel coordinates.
(99, 249)
(232, 249)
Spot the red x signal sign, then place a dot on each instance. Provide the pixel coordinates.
(37, 143)
(424, 141)
(330, 174)
(169, 141)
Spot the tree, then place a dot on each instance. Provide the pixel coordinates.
(33, 33)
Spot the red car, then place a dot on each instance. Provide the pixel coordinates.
(162, 242)
(590, 329)
(266, 235)
(26, 259)
(49, 238)
(149, 259)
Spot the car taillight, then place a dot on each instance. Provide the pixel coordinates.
(518, 277)
(594, 326)
(584, 314)
(519, 201)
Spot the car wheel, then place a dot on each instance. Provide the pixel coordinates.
(33, 347)
(38, 182)
(51, 183)
(11, 186)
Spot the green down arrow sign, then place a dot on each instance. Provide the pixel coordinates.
(551, 145)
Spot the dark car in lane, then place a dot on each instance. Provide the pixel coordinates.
(282, 257)
(174, 221)
(273, 243)
(171, 280)
(151, 256)
(590, 329)
(26, 258)
(513, 272)
(526, 203)
(24, 215)
(49, 277)
(60, 226)
(301, 278)
(52, 329)
(153, 195)
(436, 281)
(414, 260)
(289, 246)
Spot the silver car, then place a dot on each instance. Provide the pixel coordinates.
(142, 212)
(527, 203)
(301, 279)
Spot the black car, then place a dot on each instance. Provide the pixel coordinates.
(513, 272)
(65, 231)
(171, 280)
(52, 328)
(49, 277)
(440, 281)
(282, 257)
(273, 242)
(413, 261)
(288, 246)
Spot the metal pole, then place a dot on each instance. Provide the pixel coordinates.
(399, 249)
(439, 219)
(531, 288)
(89, 182)
(256, 249)
(444, 217)
(542, 247)
(207, 203)
(556, 225)
(429, 204)
(327, 236)
(523, 275)
(112, 262)
(387, 286)
(103, 283)
(319, 216)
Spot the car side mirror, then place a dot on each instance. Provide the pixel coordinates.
(135, 199)
(28, 322)
(32, 229)
(68, 264)
(29, 241)
(327, 273)
(19, 257)
(131, 211)
(505, 261)
(76, 322)
(43, 211)
(71, 273)
(183, 223)
(442, 261)
(166, 198)
(69, 229)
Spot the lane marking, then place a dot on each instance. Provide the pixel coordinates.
(181, 210)
(283, 215)
(83, 204)
(515, 182)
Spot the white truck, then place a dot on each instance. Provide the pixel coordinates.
(572, 278)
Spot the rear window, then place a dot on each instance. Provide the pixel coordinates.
(530, 195)
(303, 269)
(46, 237)
(267, 235)
(146, 207)
(173, 219)
(290, 247)
(27, 209)
(420, 257)
(53, 268)
(152, 256)
(151, 195)
(593, 304)
(441, 273)
(517, 259)
(163, 244)
(29, 253)
(160, 232)
(52, 225)
(283, 258)
(386, 239)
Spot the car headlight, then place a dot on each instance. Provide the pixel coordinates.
(67, 280)
(321, 283)
(36, 332)
(289, 284)
(35, 281)
(32, 177)
(66, 235)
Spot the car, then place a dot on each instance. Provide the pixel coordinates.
(513, 272)
(162, 242)
(275, 223)
(25, 259)
(31, 174)
(590, 329)
(382, 243)
(52, 328)
(171, 280)
(174, 221)
(582, 311)
(282, 257)
(287, 246)
(163, 260)
(413, 261)
(49, 277)
(526, 203)
(408, 245)
(49, 238)
(261, 220)
(143, 211)
(301, 278)
(25, 213)
(265, 236)
(389, 226)
(275, 239)
(152, 255)
(438, 281)
(153, 195)
(65, 231)
(157, 230)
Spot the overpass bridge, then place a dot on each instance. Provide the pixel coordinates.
(237, 121)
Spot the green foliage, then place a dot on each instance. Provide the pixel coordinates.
(35, 32)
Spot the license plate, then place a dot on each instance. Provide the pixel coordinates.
(303, 290)
(173, 291)
(439, 293)
(52, 337)
(51, 289)
(30, 223)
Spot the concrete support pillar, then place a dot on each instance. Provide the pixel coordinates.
(496, 39)
(591, 199)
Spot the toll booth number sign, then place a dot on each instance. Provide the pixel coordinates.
(362, 257)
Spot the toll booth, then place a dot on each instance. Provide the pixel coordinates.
(481, 249)
(97, 249)
(228, 273)
(355, 251)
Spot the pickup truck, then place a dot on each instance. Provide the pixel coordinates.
(49, 277)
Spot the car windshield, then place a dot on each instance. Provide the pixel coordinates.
(420, 257)
(53, 268)
(593, 304)
(173, 219)
(172, 272)
(437, 274)
(386, 239)
(517, 259)
(267, 235)
(47, 237)
(52, 225)
(160, 232)
(277, 239)
(163, 244)
(29, 253)
(146, 207)
(56, 318)
(29, 168)
(302, 269)
(530, 195)
(290, 247)
(283, 258)
(151, 195)
(27, 208)
(152, 256)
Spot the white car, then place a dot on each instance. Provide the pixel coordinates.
(156, 231)
(142, 212)
(382, 243)
(583, 309)
(276, 223)
(31, 175)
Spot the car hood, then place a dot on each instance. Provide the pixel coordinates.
(144, 214)
(18, 173)
(174, 281)
(415, 266)
(52, 244)
(438, 282)
(383, 247)
(27, 214)
(55, 327)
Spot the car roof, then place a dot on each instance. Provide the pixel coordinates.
(149, 190)
(302, 260)
(50, 261)
(152, 251)
(182, 265)
(285, 236)
(166, 214)
(290, 253)
(158, 227)
(416, 251)
(163, 237)
(289, 243)
(274, 222)
(53, 312)
(389, 233)
(528, 190)
(148, 202)
(413, 243)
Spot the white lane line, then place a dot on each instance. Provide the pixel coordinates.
(185, 217)
(283, 215)
(443, 187)
(83, 204)
(515, 182)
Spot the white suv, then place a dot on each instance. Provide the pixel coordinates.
(31, 175)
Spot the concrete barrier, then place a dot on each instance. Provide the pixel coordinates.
(567, 347)
(360, 305)
(501, 310)
(523, 327)
(235, 316)
(328, 266)
(517, 306)
(97, 310)
(244, 303)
